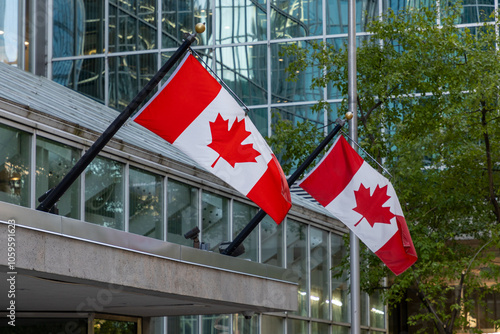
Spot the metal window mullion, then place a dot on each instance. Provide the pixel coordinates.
(33, 202)
(50, 35)
(158, 32)
(126, 197)
(21, 32)
(165, 207)
(106, 51)
(308, 270)
(330, 282)
(82, 191)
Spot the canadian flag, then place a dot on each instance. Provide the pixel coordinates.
(364, 201)
(195, 114)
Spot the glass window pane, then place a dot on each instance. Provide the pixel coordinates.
(244, 71)
(182, 210)
(242, 325)
(260, 120)
(340, 330)
(271, 325)
(337, 14)
(271, 242)
(377, 310)
(146, 204)
(364, 309)
(320, 272)
(53, 161)
(187, 324)
(15, 148)
(69, 30)
(296, 242)
(295, 326)
(297, 18)
(179, 17)
(215, 220)
(104, 193)
(283, 90)
(9, 25)
(83, 75)
(340, 285)
(215, 324)
(297, 114)
(128, 75)
(105, 326)
(320, 328)
(241, 21)
(242, 214)
(132, 26)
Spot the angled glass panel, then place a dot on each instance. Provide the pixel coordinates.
(53, 162)
(296, 18)
(320, 272)
(105, 193)
(15, 148)
(271, 242)
(180, 17)
(296, 259)
(145, 203)
(240, 21)
(283, 90)
(242, 215)
(10, 36)
(214, 220)
(244, 71)
(182, 210)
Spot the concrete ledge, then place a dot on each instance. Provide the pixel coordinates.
(63, 265)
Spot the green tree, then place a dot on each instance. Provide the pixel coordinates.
(428, 106)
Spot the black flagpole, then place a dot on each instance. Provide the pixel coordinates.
(52, 196)
(291, 180)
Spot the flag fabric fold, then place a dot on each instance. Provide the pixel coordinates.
(365, 201)
(193, 112)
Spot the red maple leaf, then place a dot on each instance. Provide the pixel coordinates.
(227, 142)
(370, 206)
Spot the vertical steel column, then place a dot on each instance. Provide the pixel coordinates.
(353, 133)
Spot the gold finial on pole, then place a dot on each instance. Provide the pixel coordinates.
(200, 28)
(349, 115)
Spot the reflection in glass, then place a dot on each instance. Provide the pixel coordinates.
(104, 193)
(9, 36)
(297, 18)
(215, 220)
(145, 204)
(377, 310)
(244, 71)
(296, 254)
(284, 91)
(320, 272)
(14, 166)
(340, 285)
(182, 209)
(241, 21)
(340, 330)
(132, 26)
(242, 325)
(271, 325)
(128, 75)
(187, 324)
(215, 324)
(180, 17)
(53, 161)
(259, 119)
(271, 242)
(105, 326)
(337, 14)
(242, 214)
